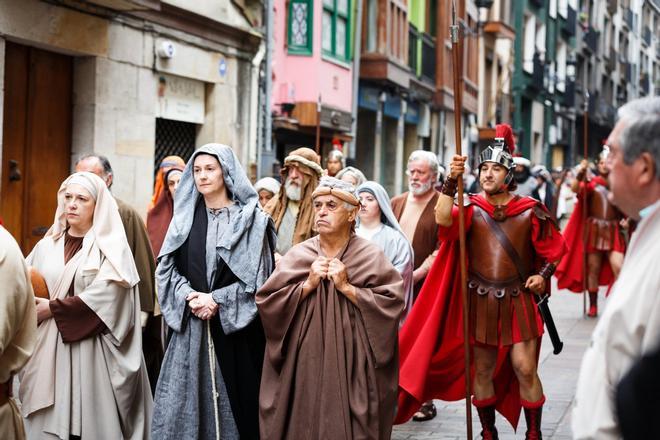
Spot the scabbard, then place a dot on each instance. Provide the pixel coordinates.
(544, 310)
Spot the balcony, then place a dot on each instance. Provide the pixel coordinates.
(626, 71)
(646, 36)
(536, 82)
(569, 24)
(413, 38)
(591, 40)
(611, 60)
(629, 18)
(569, 94)
(428, 57)
(645, 83)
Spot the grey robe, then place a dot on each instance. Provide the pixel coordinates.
(184, 404)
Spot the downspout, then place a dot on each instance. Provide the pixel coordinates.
(253, 141)
(268, 89)
(357, 48)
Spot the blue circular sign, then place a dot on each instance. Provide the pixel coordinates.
(222, 67)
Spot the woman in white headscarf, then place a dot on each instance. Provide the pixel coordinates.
(378, 224)
(86, 378)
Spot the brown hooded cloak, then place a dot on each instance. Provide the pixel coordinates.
(331, 367)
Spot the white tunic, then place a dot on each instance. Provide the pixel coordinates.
(628, 329)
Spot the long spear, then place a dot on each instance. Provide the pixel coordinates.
(585, 238)
(456, 49)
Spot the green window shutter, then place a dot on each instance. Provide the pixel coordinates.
(336, 29)
(300, 27)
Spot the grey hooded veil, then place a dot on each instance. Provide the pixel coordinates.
(392, 241)
(184, 405)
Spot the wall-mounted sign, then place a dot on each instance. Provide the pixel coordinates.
(180, 99)
(222, 67)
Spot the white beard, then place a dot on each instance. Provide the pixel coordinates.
(292, 191)
(422, 189)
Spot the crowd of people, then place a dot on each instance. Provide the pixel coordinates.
(316, 306)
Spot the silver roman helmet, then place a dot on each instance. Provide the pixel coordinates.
(498, 152)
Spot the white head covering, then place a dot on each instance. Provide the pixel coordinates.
(107, 229)
(269, 184)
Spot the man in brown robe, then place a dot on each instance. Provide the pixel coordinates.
(18, 332)
(330, 312)
(414, 210)
(291, 209)
(138, 241)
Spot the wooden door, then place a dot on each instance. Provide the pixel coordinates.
(36, 144)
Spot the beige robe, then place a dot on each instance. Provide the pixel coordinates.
(330, 367)
(628, 329)
(18, 327)
(98, 387)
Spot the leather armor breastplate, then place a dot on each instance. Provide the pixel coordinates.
(488, 259)
(600, 207)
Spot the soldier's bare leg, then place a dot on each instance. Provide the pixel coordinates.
(523, 358)
(485, 360)
(594, 262)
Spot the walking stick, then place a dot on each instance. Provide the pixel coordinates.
(584, 206)
(456, 49)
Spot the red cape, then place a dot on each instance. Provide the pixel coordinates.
(432, 362)
(570, 271)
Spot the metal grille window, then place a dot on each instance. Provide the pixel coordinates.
(174, 138)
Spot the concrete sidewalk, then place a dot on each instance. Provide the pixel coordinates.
(558, 375)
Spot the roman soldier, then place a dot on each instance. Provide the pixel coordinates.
(596, 231)
(513, 246)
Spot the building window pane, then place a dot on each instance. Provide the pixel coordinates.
(342, 7)
(327, 31)
(340, 39)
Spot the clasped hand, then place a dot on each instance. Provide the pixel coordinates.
(202, 304)
(328, 268)
(536, 283)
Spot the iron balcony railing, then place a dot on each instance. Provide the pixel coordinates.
(569, 93)
(645, 83)
(629, 18)
(413, 37)
(591, 39)
(428, 57)
(537, 73)
(646, 35)
(571, 21)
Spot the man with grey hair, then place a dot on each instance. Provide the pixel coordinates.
(138, 241)
(330, 312)
(630, 326)
(414, 210)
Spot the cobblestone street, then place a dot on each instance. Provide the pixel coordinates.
(558, 374)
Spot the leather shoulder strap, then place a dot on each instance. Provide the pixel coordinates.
(504, 241)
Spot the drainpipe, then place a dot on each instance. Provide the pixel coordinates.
(267, 146)
(357, 48)
(253, 134)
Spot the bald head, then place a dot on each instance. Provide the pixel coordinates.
(98, 165)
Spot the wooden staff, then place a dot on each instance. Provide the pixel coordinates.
(585, 238)
(456, 49)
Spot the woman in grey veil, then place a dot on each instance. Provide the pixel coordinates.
(378, 224)
(217, 253)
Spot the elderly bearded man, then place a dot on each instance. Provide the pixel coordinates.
(330, 312)
(291, 208)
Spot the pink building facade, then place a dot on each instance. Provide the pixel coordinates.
(312, 60)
